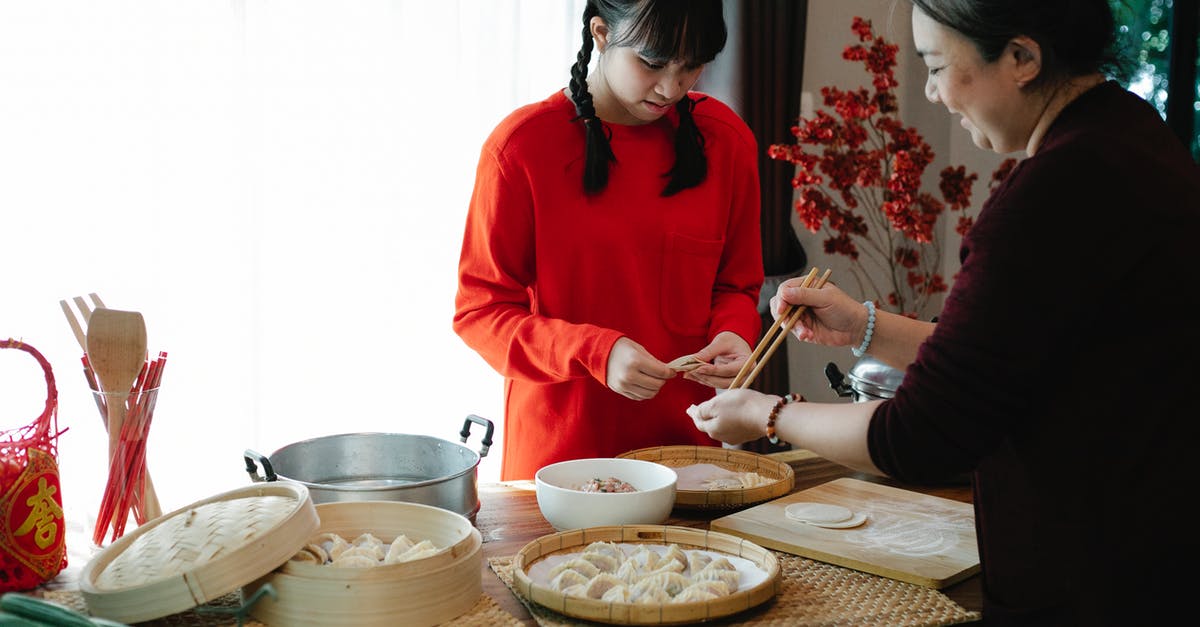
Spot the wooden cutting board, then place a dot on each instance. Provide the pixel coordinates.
(909, 536)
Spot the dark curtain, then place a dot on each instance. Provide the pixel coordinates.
(772, 44)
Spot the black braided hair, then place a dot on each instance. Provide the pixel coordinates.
(661, 28)
(691, 166)
(597, 152)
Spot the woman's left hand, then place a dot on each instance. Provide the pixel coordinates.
(735, 416)
(725, 356)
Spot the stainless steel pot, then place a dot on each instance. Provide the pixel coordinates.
(868, 380)
(381, 467)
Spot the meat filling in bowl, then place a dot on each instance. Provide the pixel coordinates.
(611, 484)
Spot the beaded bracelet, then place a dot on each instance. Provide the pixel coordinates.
(866, 343)
(787, 398)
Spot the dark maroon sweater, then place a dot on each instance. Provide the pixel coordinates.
(1059, 372)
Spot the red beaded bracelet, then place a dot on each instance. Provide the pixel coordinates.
(787, 398)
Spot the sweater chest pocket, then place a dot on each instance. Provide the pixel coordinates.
(688, 276)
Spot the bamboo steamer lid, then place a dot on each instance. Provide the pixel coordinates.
(199, 552)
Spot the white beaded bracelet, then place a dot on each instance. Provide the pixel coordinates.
(866, 343)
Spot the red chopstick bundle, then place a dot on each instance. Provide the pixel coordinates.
(126, 490)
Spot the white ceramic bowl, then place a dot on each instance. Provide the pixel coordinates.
(566, 507)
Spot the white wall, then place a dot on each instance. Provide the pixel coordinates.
(828, 34)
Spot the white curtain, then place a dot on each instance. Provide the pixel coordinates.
(280, 188)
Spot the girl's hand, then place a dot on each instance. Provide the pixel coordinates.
(832, 318)
(725, 356)
(633, 372)
(735, 416)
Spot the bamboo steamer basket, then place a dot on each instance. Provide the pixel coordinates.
(198, 553)
(784, 478)
(617, 613)
(422, 592)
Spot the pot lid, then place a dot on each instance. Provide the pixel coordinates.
(199, 552)
(875, 377)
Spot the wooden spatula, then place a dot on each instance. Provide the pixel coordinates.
(116, 348)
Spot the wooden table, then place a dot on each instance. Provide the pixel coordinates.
(509, 519)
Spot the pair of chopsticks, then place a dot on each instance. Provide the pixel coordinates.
(775, 335)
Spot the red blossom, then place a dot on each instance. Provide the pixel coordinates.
(858, 166)
(1002, 171)
(956, 187)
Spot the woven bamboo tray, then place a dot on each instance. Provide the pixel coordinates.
(198, 553)
(430, 591)
(645, 614)
(729, 459)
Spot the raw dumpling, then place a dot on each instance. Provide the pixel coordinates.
(397, 548)
(721, 563)
(677, 554)
(584, 567)
(670, 582)
(697, 560)
(304, 555)
(577, 590)
(629, 573)
(651, 597)
(729, 577)
(333, 544)
(567, 578)
(715, 588)
(606, 563)
(617, 594)
(351, 560)
(645, 559)
(318, 551)
(692, 594)
(612, 549)
(602, 583)
(667, 565)
(368, 539)
(362, 551)
(418, 551)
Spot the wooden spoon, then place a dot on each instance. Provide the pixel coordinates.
(116, 348)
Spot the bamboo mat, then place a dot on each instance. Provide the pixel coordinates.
(812, 594)
(485, 613)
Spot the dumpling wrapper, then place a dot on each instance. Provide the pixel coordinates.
(687, 363)
(353, 560)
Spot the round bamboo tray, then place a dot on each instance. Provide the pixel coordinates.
(430, 591)
(645, 614)
(730, 459)
(198, 553)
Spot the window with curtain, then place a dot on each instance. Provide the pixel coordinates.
(280, 189)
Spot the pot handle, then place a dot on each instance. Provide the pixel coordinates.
(837, 381)
(252, 470)
(487, 437)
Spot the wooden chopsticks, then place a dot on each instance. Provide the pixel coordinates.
(780, 329)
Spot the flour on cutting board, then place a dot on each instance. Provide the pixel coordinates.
(911, 529)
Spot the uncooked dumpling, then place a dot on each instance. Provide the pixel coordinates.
(606, 563)
(584, 567)
(566, 579)
(397, 548)
(616, 594)
(669, 582)
(350, 560)
(602, 583)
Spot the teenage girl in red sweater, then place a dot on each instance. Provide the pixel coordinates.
(614, 226)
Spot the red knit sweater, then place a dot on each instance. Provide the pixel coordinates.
(550, 278)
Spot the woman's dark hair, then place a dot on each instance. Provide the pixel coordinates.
(689, 30)
(1077, 37)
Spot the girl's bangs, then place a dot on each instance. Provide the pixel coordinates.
(692, 31)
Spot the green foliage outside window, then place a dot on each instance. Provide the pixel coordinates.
(1145, 27)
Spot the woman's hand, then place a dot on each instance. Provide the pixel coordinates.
(725, 356)
(633, 372)
(735, 416)
(832, 318)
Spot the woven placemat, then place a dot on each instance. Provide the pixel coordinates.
(812, 593)
(485, 613)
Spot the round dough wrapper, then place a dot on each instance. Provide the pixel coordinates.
(818, 513)
(855, 520)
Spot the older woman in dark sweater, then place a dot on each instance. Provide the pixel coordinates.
(1059, 366)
